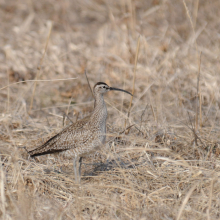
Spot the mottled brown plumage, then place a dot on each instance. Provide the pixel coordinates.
(84, 136)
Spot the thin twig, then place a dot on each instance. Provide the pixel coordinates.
(198, 98)
(88, 83)
(66, 116)
(210, 199)
(193, 129)
(185, 201)
(194, 132)
(200, 95)
(134, 76)
(195, 12)
(36, 80)
(8, 92)
(142, 116)
(39, 67)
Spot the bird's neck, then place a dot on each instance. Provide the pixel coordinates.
(99, 101)
(100, 110)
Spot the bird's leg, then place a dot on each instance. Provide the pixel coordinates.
(75, 170)
(80, 164)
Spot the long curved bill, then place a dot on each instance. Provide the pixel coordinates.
(112, 88)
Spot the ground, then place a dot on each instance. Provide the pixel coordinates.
(161, 159)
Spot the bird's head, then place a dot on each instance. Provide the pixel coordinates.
(102, 88)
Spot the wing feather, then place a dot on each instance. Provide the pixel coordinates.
(68, 138)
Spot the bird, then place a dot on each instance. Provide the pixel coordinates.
(82, 137)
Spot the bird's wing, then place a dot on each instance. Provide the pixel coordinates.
(69, 137)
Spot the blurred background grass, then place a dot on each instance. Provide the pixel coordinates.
(169, 155)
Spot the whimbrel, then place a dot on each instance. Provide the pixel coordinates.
(82, 137)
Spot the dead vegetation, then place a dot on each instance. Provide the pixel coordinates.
(165, 163)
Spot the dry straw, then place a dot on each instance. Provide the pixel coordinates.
(165, 163)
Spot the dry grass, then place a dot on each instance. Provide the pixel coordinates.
(166, 165)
